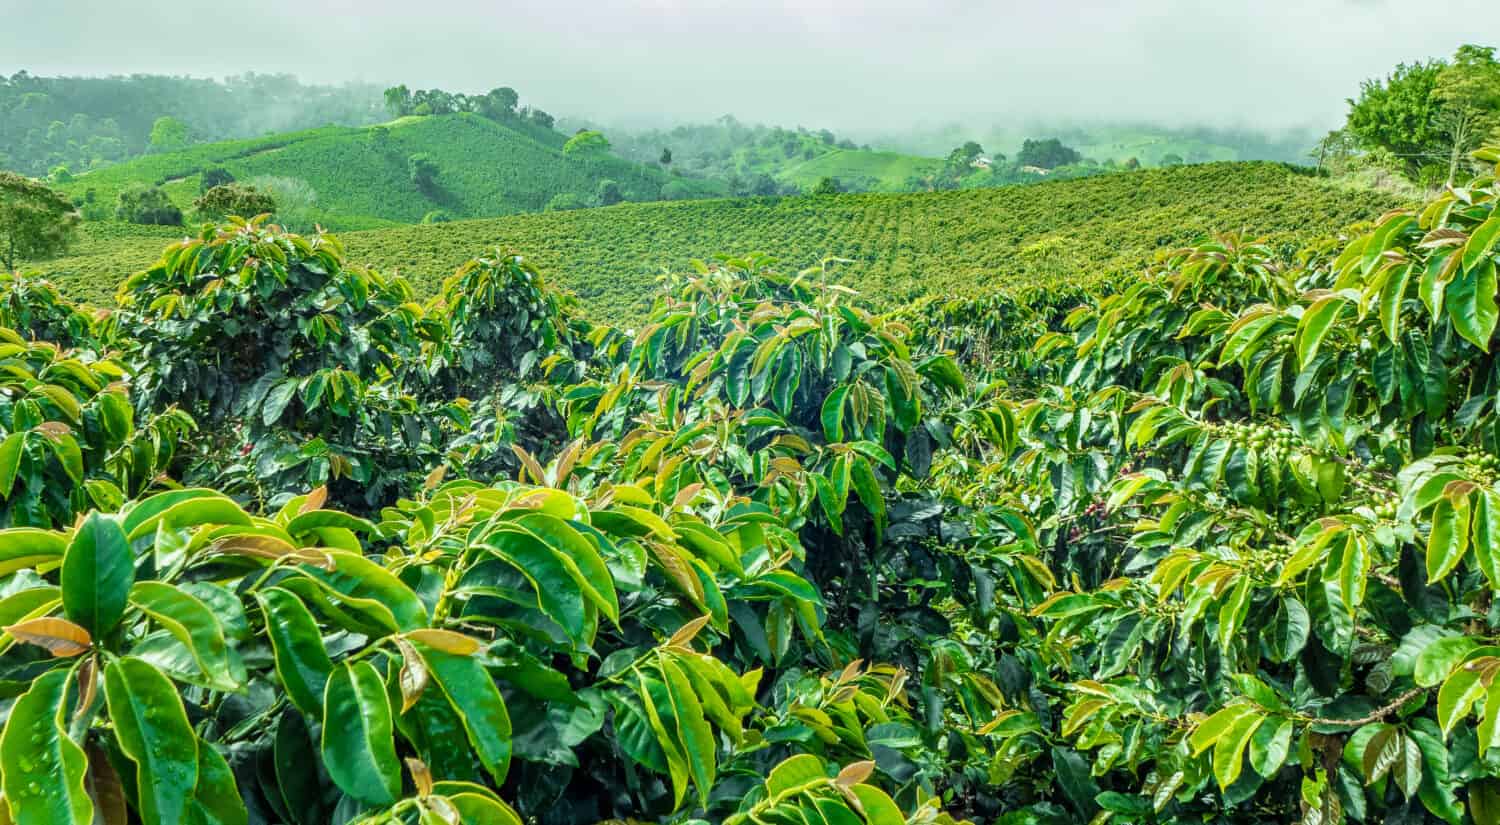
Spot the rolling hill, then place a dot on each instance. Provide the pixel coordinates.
(864, 170)
(897, 247)
(361, 176)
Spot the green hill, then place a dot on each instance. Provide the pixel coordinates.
(898, 246)
(361, 176)
(868, 171)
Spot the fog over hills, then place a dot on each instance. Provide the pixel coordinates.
(869, 67)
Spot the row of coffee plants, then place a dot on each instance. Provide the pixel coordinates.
(896, 248)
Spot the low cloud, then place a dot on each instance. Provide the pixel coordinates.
(872, 66)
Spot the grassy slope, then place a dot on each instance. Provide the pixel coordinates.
(900, 246)
(880, 171)
(485, 169)
(1150, 147)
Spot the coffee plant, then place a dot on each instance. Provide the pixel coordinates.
(284, 543)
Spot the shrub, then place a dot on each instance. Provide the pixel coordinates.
(608, 193)
(147, 205)
(233, 199)
(213, 176)
(564, 201)
(423, 171)
(437, 216)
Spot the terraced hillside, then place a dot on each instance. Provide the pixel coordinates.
(362, 180)
(896, 247)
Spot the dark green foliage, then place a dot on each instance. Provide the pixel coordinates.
(500, 103)
(1275, 519)
(423, 171)
(69, 438)
(482, 631)
(1046, 154)
(961, 160)
(727, 146)
(214, 176)
(540, 119)
(398, 101)
(608, 193)
(147, 205)
(497, 104)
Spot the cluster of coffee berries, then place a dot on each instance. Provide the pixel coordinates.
(1276, 443)
(1482, 466)
(1268, 558)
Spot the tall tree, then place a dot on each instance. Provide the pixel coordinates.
(1333, 149)
(1046, 154)
(500, 103)
(35, 222)
(961, 159)
(540, 118)
(587, 143)
(168, 133)
(398, 101)
(608, 193)
(1466, 98)
(1397, 114)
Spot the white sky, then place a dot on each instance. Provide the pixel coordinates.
(884, 65)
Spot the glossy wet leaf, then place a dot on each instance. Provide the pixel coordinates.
(154, 733)
(358, 745)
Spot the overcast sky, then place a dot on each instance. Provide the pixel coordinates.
(838, 63)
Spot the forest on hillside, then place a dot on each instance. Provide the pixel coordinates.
(80, 123)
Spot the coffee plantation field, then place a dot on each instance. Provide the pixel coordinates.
(281, 541)
(361, 176)
(894, 247)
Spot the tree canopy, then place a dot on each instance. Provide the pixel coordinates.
(1430, 115)
(169, 134)
(35, 221)
(1047, 154)
(233, 199)
(147, 205)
